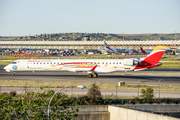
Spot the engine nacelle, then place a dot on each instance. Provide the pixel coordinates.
(131, 62)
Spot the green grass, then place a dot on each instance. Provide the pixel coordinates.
(170, 65)
(170, 58)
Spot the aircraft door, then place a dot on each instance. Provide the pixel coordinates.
(21, 64)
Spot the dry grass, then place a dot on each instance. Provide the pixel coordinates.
(5, 62)
(52, 84)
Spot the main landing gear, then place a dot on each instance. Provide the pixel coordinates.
(13, 73)
(93, 75)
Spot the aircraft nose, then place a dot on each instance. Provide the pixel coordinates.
(6, 67)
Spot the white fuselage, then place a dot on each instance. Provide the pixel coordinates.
(75, 65)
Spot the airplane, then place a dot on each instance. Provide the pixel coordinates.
(145, 51)
(116, 51)
(92, 67)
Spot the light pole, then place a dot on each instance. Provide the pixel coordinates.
(73, 42)
(116, 90)
(159, 88)
(79, 86)
(138, 89)
(123, 41)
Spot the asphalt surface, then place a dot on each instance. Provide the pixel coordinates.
(102, 78)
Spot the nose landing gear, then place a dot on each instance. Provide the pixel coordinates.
(13, 73)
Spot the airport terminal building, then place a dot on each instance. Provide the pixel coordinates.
(89, 45)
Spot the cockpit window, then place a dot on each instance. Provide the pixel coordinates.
(14, 63)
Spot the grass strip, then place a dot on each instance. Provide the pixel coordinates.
(54, 84)
(5, 62)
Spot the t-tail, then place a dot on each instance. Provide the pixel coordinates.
(142, 50)
(108, 48)
(152, 60)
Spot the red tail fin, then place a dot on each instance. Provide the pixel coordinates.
(142, 50)
(150, 61)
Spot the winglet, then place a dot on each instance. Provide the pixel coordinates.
(93, 68)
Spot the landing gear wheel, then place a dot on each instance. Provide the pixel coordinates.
(95, 75)
(90, 76)
(13, 73)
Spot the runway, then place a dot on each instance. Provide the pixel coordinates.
(103, 78)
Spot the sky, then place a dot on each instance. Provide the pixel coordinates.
(31, 17)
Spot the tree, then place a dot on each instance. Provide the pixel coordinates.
(147, 94)
(34, 106)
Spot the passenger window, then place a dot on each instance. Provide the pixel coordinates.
(37, 62)
(106, 62)
(54, 63)
(44, 62)
(102, 62)
(119, 62)
(34, 62)
(47, 63)
(57, 62)
(109, 62)
(113, 62)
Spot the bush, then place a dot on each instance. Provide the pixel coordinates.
(6, 95)
(32, 106)
(13, 93)
(50, 92)
(148, 94)
(93, 96)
